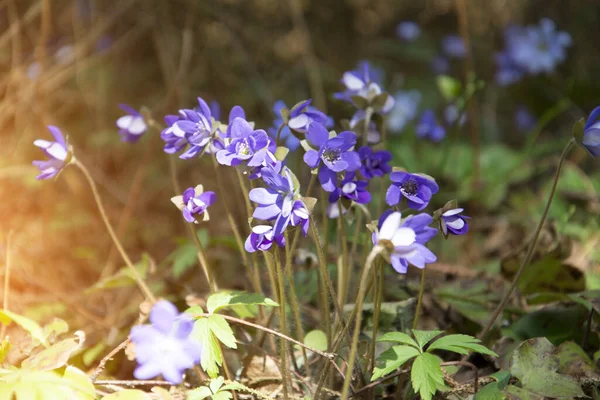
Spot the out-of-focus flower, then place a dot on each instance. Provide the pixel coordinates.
(591, 134)
(58, 154)
(524, 120)
(418, 189)
(194, 203)
(453, 222)
(440, 65)
(280, 202)
(428, 127)
(289, 140)
(262, 238)
(299, 118)
(131, 126)
(246, 144)
(408, 31)
(452, 113)
(165, 347)
(454, 47)
(401, 245)
(405, 109)
(65, 54)
(350, 189)
(507, 72)
(374, 163)
(365, 83)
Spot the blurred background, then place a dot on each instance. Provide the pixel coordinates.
(70, 63)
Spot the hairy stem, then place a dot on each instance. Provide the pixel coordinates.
(283, 323)
(419, 300)
(378, 271)
(531, 249)
(202, 259)
(142, 285)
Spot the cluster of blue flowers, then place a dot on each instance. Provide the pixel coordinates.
(531, 50)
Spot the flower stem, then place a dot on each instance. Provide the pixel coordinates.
(283, 323)
(368, 116)
(202, 259)
(142, 285)
(531, 249)
(324, 277)
(419, 300)
(378, 271)
(362, 291)
(346, 268)
(278, 136)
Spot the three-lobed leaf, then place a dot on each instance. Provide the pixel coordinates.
(426, 375)
(221, 329)
(211, 357)
(393, 359)
(460, 344)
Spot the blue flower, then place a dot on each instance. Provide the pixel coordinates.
(364, 82)
(401, 243)
(374, 163)
(280, 202)
(453, 222)
(57, 153)
(405, 109)
(408, 31)
(194, 203)
(246, 144)
(289, 140)
(508, 72)
(440, 65)
(300, 117)
(165, 347)
(131, 126)
(524, 120)
(349, 189)
(262, 238)
(428, 127)
(454, 47)
(591, 134)
(451, 114)
(418, 189)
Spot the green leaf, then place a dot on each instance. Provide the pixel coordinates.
(423, 337)
(460, 344)
(24, 384)
(221, 329)
(199, 393)
(449, 87)
(535, 365)
(316, 339)
(123, 277)
(4, 348)
(399, 337)
(128, 394)
(222, 396)
(426, 375)
(211, 358)
(54, 356)
(517, 393)
(184, 258)
(393, 359)
(216, 384)
(223, 299)
(32, 327)
(234, 386)
(490, 391)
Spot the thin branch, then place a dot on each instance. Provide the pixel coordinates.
(380, 380)
(108, 357)
(467, 364)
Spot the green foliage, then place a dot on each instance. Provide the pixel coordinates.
(225, 299)
(449, 87)
(123, 277)
(54, 356)
(316, 339)
(185, 256)
(216, 390)
(32, 327)
(426, 373)
(205, 332)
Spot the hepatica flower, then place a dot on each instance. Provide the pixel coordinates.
(262, 238)
(453, 222)
(350, 189)
(365, 82)
(452, 114)
(408, 31)
(247, 145)
(299, 118)
(280, 202)
(406, 106)
(454, 47)
(524, 120)
(418, 189)
(131, 126)
(591, 133)
(429, 128)
(165, 347)
(374, 163)
(335, 153)
(194, 203)
(289, 140)
(440, 64)
(401, 242)
(58, 153)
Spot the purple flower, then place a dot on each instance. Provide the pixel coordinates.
(194, 203)
(165, 347)
(440, 65)
(452, 114)
(193, 128)
(400, 243)
(262, 238)
(334, 152)
(364, 82)
(303, 114)
(357, 123)
(374, 163)
(418, 189)
(508, 72)
(246, 144)
(350, 189)
(57, 152)
(280, 202)
(405, 109)
(454, 47)
(131, 126)
(408, 31)
(428, 127)
(524, 120)
(289, 140)
(591, 134)
(454, 223)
